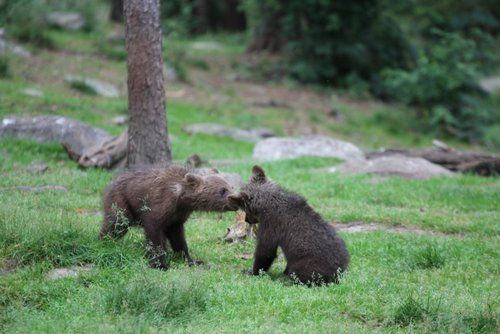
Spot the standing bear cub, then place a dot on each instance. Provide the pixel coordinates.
(313, 250)
(161, 200)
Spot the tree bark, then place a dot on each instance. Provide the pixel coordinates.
(148, 135)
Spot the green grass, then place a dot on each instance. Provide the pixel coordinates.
(397, 283)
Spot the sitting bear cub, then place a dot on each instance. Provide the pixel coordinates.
(313, 250)
(161, 200)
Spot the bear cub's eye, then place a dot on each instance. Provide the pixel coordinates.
(223, 191)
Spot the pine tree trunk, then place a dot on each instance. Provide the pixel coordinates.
(148, 134)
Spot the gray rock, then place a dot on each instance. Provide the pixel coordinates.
(251, 135)
(37, 168)
(206, 45)
(96, 86)
(396, 165)
(120, 120)
(41, 188)
(33, 92)
(170, 73)
(234, 179)
(11, 47)
(319, 146)
(73, 271)
(76, 136)
(66, 20)
(491, 84)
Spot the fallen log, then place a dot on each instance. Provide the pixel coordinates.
(465, 162)
(108, 154)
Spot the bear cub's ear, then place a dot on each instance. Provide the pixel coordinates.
(239, 199)
(193, 180)
(258, 175)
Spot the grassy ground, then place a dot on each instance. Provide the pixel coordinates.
(441, 282)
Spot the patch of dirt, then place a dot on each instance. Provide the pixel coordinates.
(89, 212)
(9, 266)
(357, 227)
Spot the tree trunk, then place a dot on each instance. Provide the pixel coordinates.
(268, 34)
(116, 13)
(148, 134)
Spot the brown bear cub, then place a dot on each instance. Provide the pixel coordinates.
(161, 200)
(314, 252)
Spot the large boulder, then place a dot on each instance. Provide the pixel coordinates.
(234, 179)
(72, 134)
(251, 135)
(396, 165)
(316, 145)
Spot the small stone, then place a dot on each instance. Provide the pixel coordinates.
(11, 47)
(33, 92)
(206, 46)
(120, 120)
(66, 20)
(250, 135)
(37, 168)
(93, 85)
(170, 73)
(73, 271)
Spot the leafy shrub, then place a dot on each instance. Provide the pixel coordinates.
(185, 17)
(443, 87)
(330, 42)
(25, 21)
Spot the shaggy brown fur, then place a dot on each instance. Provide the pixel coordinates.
(161, 200)
(313, 250)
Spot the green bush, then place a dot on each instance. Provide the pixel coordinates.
(443, 88)
(330, 42)
(26, 20)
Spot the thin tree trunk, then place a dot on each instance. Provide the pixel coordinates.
(148, 134)
(116, 13)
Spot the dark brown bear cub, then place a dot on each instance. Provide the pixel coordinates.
(161, 200)
(314, 252)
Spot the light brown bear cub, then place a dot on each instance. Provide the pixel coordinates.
(161, 200)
